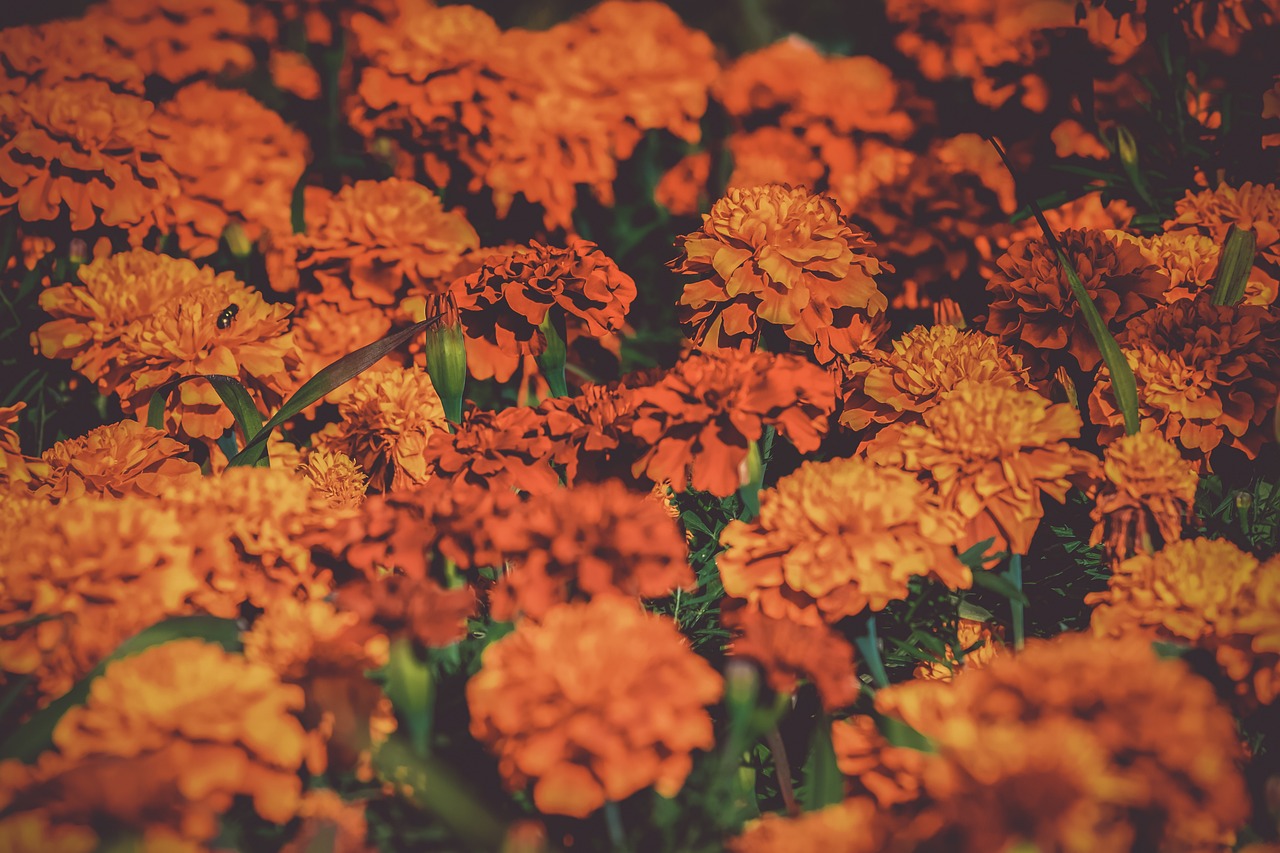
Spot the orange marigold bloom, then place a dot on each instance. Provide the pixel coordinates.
(177, 40)
(586, 542)
(1206, 375)
(336, 476)
(83, 577)
(325, 331)
(980, 641)
(236, 161)
(788, 651)
(699, 418)
(1191, 261)
(589, 431)
(991, 451)
(839, 537)
(1252, 206)
(373, 240)
(853, 826)
(1202, 592)
(1085, 212)
(384, 425)
(168, 739)
(79, 149)
(496, 451)
(125, 458)
(1034, 310)
(63, 50)
(14, 467)
(1149, 488)
(502, 304)
(682, 189)
(772, 155)
(138, 320)
(774, 257)
(291, 72)
(593, 728)
(926, 362)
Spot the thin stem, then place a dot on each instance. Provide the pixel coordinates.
(613, 820)
(1014, 575)
(869, 646)
(782, 769)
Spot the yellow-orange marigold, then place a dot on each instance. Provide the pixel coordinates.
(1198, 591)
(177, 40)
(236, 161)
(697, 420)
(14, 467)
(777, 259)
(1149, 489)
(1251, 206)
(980, 641)
(1206, 375)
(137, 320)
(1191, 262)
(593, 727)
(839, 537)
(991, 452)
(123, 458)
(336, 476)
(79, 150)
(169, 738)
(925, 363)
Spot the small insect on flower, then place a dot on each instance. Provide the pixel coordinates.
(228, 314)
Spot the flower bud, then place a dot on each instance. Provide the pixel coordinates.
(237, 241)
(446, 353)
(553, 356)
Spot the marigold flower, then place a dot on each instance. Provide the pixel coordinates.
(325, 331)
(787, 651)
(80, 147)
(236, 161)
(772, 155)
(1206, 376)
(384, 425)
(138, 320)
(926, 362)
(502, 304)
(336, 476)
(1085, 212)
(682, 189)
(589, 541)
(177, 40)
(14, 467)
(496, 451)
(1202, 592)
(1191, 261)
(1149, 488)
(589, 431)
(598, 727)
(1034, 309)
(82, 578)
(125, 458)
(190, 727)
(839, 537)
(853, 826)
(699, 418)
(291, 72)
(981, 643)
(63, 50)
(992, 452)
(1250, 206)
(774, 257)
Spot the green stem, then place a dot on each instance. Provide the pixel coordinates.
(782, 769)
(869, 646)
(613, 820)
(1014, 576)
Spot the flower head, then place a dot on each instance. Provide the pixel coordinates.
(1203, 592)
(774, 257)
(384, 426)
(787, 651)
(925, 363)
(991, 451)
(14, 467)
(1250, 206)
(325, 331)
(177, 40)
(63, 50)
(590, 728)
(1034, 309)
(496, 451)
(336, 476)
(697, 420)
(1206, 376)
(115, 460)
(502, 304)
(169, 738)
(1149, 489)
(236, 161)
(839, 537)
(80, 150)
(589, 541)
(1190, 260)
(138, 320)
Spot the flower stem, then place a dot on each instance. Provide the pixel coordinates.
(613, 820)
(869, 646)
(1014, 576)
(782, 769)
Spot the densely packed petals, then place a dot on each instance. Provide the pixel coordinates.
(63, 50)
(178, 40)
(787, 651)
(589, 728)
(839, 537)
(1149, 491)
(495, 451)
(124, 458)
(777, 259)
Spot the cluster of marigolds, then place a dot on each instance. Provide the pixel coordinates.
(498, 482)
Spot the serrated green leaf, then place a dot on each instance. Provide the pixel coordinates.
(36, 734)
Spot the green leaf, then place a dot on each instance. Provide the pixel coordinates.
(334, 376)
(229, 390)
(900, 734)
(1234, 265)
(36, 734)
(823, 783)
(976, 555)
(411, 688)
(999, 584)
